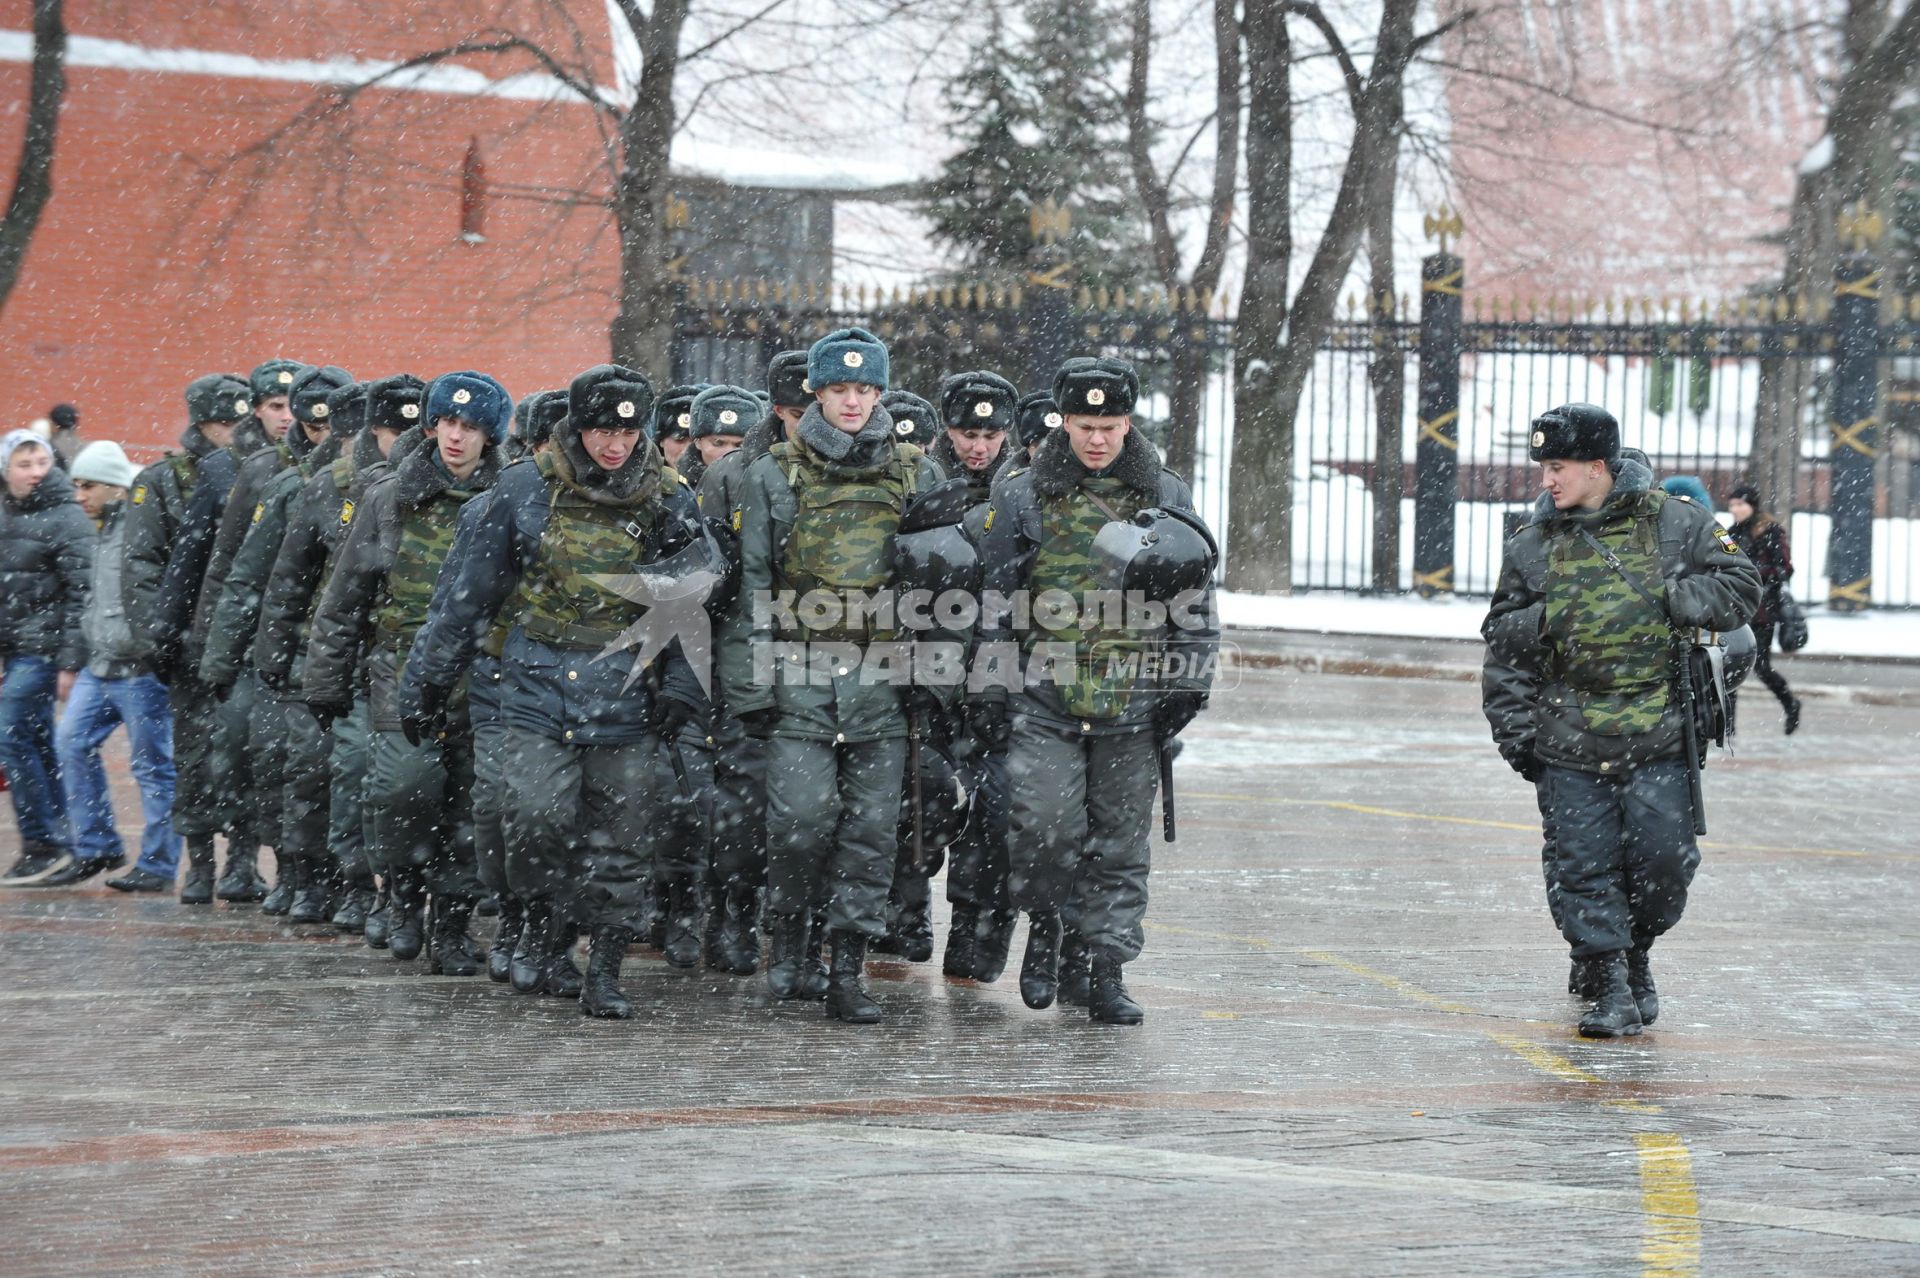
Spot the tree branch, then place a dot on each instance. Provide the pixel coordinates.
(1356, 84)
(33, 179)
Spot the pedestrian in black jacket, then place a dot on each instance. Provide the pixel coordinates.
(46, 563)
(1765, 542)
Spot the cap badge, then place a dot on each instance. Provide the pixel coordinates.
(410, 411)
(684, 421)
(1539, 438)
(1096, 397)
(241, 405)
(1053, 421)
(320, 410)
(728, 417)
(286, 378)
(904, 426)
(462, 396)
(853, 359)
(624, 408)
(984, 408)
(806, 387)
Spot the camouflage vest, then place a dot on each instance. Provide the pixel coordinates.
(1104, 649)
(426, 535)
(1613, 650)
(560, 601)
(844, 520)
(186, 473)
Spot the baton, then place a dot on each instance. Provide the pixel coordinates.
(1166, 787)
(913, 763)
(679, 763)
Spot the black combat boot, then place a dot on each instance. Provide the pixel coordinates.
(198, 887)
(1583, 978)
(888, 942)
(737, 936)
(653, 914)
(913, 933)
(959, 960)
(310, 895)
(1040, 970)
(242, 881)
(1614, 1013)
(600, 992)
(356, 902)
(1640, 981)
(1076, 969)
(847, 998)
(1793, 714)
(561, 978)
(527, 969)
(813, 968)
(513, 916)
(992, 945)
(407, 936)
(454, 950)
(1107, 999)
(787, 956)
(379, 922)
(682, 945)
(286, 881)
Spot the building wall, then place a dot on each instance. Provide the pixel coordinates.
(177, 244)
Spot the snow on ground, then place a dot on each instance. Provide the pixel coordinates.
(1880, 633)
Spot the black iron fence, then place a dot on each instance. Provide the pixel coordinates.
(1423, 504)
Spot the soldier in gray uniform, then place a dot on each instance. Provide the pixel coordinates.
(739, 856)
(1086, 723)
(818, 518)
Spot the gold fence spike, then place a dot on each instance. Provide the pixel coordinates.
(1019, 294)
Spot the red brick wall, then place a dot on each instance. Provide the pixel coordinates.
(159, 258)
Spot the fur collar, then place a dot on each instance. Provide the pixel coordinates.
(635, 483)
(943, 452)
(1056, 471)
(196, 443)
(249, 437)
(322, 455)
(405, 444)
(366, 452)
(766, 432)
(871, 448)
(691, 466)
(421, 476)
(1633, 480)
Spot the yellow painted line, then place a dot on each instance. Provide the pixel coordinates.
(1399, 814)
(1670, 1207)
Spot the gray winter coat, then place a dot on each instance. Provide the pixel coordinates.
(111, 651)
(46, 572)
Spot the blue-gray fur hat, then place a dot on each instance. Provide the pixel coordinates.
(787, 380)
(610, 397)
(275, 377)
(914, 420)
(472, 397)
(1093, 386)
(393, 403)
(1038, 415)
(535, 417)
(978, 401)
(847, 355)
(673, 414)
(311, 388)
(218, 397)
(724, 410)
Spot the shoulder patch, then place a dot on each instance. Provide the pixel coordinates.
(259, 509)
(736, 519)
(988, 525)
(139, 494)
(346, 513)
(1727, 543)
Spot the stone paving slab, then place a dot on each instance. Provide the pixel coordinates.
(1358, 1059)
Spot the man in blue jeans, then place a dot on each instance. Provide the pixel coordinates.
(114, 688)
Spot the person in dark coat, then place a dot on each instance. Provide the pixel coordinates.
(1765, 542)
(46, 567)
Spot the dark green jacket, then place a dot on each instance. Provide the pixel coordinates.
(721, 494)
(156, 507)
(1524, 691)
(261, 461)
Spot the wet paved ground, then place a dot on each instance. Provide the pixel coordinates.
(1357, 1059)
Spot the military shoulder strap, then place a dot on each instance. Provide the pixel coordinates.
(1612, 560)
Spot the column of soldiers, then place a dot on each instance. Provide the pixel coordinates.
(562, 661)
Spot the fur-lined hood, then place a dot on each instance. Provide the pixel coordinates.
(763, 435)
(1056, 471)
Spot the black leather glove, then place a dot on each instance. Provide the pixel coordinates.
(670, 714)
(759, 723)
(223, 691)
(325, 712)
(273, 679)
(1521, 758)
(990, 724)
(1176, 710)
(427, 719)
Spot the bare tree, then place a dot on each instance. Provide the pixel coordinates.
(33, 177)
(1278, 336)
(1156, 192)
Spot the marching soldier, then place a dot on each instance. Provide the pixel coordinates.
(1038, 414)
(1580, 689)
(156, 507)
(556, 560)
(1089, 721)
(914, 419)
(739, 859)
(819, 512)
(299, 841)
(673, 431)
(419, 783)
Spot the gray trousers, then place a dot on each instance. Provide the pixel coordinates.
(197, 810)
(739, 808)
(230, 760)
(346, 815)
(1082, 813)
(489, 806)
(304, 806)
(266, 760)
(681, 851)
(1622, 852)
(577, 821)
(833, 814)
(419, 809)
(977, 862)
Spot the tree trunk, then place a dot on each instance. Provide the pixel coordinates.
(1388, 375)
(33, 179)
(642, 332)
(1186, 399)
(1260, 510)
